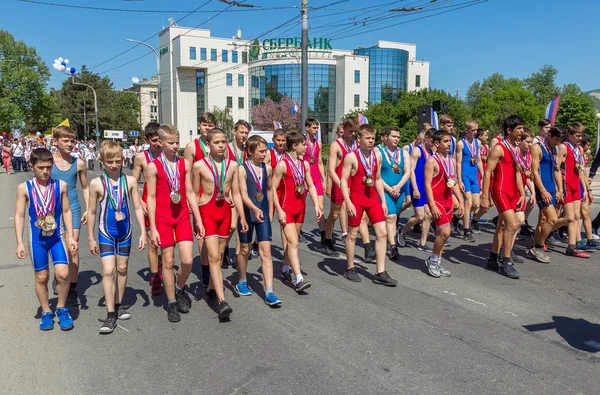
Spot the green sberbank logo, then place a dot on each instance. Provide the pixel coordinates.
(254, 49)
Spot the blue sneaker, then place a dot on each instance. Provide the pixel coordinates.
(582, 245)
(47, 321)
(242, 289)
(64, 319)
(594, 244)
(272, 300)
(552, 240)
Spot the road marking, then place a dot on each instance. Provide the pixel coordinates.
(592, 343)
(126, 330)
(513, 314)
(450, 293)
(476, 302)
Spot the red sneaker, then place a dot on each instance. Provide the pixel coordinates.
(577, 254)
(156, 285)
(545, 247)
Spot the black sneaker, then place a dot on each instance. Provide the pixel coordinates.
(109, 325)
(424, 247)
(393, 254)
(369, 254)
(324, 249)
(287, 276)
(525, 231)
(508, 269)
(73, 297)
(384, 278)
(492, 263)
(401, 238)
(468, 236)
(225, 263)
(123, 314)
(182, 301)
(495, 220)
(173, 313)
(223, 309)
(331, 251)
(302, 285)
(205, 276)
(234, 262)
(475, 228)
(515, 258)
(352, 275)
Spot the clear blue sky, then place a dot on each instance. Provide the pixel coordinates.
(512, 37)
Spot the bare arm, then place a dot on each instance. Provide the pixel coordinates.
(494, 157)
(139, 213)
(331, 163)
(414, 158)
(379, 184)
(20, 207)
(431, 168)
(94, 194)
(151, 174)
(278, 175)
(321, 166)
(190, 152)
(138, 166)
(350, 164)
(312, 190)
(190, 195)
(407, 167)
(82, 170)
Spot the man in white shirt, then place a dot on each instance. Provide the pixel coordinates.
(17, 151)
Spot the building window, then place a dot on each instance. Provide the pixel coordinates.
(356, 100)
(200, 93)
(229, 79)
(240, 79)
(240, 102)
(153, 109)
(418, 81)
(193, 53)
(224, 56)
(244, 57)
(234, 56)
(202, 53)
(153, 95)
(229, 101)
(213, 55)
(357, 76)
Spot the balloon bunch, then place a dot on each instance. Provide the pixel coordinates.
(61, 64)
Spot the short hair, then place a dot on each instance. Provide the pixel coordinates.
(526, 134)
(544, 122)
(292, 139)
(586, 140)
(40, 155)
(310, 122)
(556, 131)
(425, 127)
(438, 135)
(151, 130)
(254, 141)
(576, 127)
(243, 123)
(279, 132)
(339, 127)
(446, 119)
(208, 117)
(511, 123)
(167, 129)
(430, 132)
(350, 122)
(471, 124)
(213, 132)
(63, 132)
(387, 131)
(480, 132)
(366, 129)
(110, 150)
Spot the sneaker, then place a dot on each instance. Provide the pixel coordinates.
(223, 310)
(301, 238)
(212, 296)
(384, 278)
(508, 269)
(254, 252)
(73, 297)
(538, 255)
(302, 285)
(432, 268)
(454, 224)
(482, 220)
(288, 276)
(576, 253)
(443, 271)
(582, 246)
(594, 244)
(242, 289)
(424, 247)
(492, 263)
(515, 258)
(552, 240)
(447, 244)
(331, 252)
(369, 255)
(272, 300)
(468, 236)
(225, 262)
(54, 291)
(401, 239)
(173, 313)
(47, 321)
(393, 254)
(155, 285)
(563, 237)
(64, 319)
(343, 240)
(109, 325)
(475, 228)
(526, 232)
(352, 275)
(123, 314)
(182, 303)
(205, 277)
(325, 250)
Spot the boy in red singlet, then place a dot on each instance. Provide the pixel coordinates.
(295, 176)
(276, 153)
(508, 194)
(441, 180)
(194, 151)
(214, 176)
(169, 191)
(337, 152)
(362, 189)
(140, 164)
(339, 133)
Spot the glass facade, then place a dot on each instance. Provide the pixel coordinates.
(388, 70)
(202, 53)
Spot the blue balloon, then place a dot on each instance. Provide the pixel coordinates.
(72, 70)
(293, 109)
(63, 63)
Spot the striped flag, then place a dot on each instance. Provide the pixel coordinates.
(434, 119)
(362, 119)
(318, 137)
(276, 125)
(552, 109)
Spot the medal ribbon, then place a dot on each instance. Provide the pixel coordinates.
(392, 156)
(311, 147)
(277, 156)
(514, 152)
(43, 202)
(576, 153)
(367, 163)
(172, 174)
(452, 145)
(239, 159)
(115, 197)
(348, 149)
(448, 166)
(472, 147)
(219, 178)
(257, 178)
(297, 171)
(203, 147)
(526, 161)
(549, 151)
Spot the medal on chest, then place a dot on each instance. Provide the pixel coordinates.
(43, 202)
(449, 170)
(367, 163)
(298, 173)
(173, 178)
(219, 178)
(258, 178)
(393, 158)
(115, 195)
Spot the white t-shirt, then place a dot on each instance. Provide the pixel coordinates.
(17, 150)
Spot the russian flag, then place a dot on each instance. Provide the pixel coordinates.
(362, 119)
(277, 125)
(552, 109)
(318, 136)
(434, 119)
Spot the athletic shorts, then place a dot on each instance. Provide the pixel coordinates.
(446, 209)
(371, 206)
(216, 225)
(294, 215)
(394, 204)
(540, 202)
(572, 193)
(263, 231)
(175, 232)
(471, 182)
(111, 246)
(422, 200)
(406, 189)
(39, 250)
(505, 201)
(336, 195)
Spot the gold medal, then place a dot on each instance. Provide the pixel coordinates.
(395, 168)
(578, 167)
(451, 182)
(529, 174)
(473, 160)
(49, 220)
(260, 196)
(369, 181)
(484, 158)
(312, 161)
(175, 197)
(220, 196)
(119, 216)
(300, 188)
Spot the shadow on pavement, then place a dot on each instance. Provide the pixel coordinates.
(579, 333)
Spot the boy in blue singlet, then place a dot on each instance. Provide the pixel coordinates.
(468, 168)
(112, 192)
(254, 180)
(48, 203)
(68, 169)
(395, 174)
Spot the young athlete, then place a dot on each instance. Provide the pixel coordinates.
(339, 132)
(140, 166)
(255, 189)
(170, 193)
(362, 189)
(113, 192)
(213, 177)
(68, 169)
(395, 174)
(441, 180)
(294, 173)
(48, 203)
(544, 127)
(484, 151)
(195, 151)
(589, 242)
(468, 169)
(408, 148)
(507, 192)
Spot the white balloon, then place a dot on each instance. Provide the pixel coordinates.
(62, 68)
(66, 61)
(60, 59)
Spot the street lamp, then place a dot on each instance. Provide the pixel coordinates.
(157, 71)
(95, 108)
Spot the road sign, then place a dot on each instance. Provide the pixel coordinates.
(97, 134)
(113, 134)
(133, 133)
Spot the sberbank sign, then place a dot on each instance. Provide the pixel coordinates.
(288, 43)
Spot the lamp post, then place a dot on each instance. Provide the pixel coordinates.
(157, 70)
(95, 108)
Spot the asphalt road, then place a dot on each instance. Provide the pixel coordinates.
(473, 333)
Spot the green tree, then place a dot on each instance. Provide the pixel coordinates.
(542, 84)
(577, 106)
(224, 118)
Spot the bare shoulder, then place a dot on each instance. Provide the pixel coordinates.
(81, 166)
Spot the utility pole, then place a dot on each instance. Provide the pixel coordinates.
(95, 107)
(304, 63)
(157, 75)
(85, 128)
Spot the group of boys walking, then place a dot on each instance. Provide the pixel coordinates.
(239, 186)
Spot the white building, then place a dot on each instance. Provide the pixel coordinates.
(200, 72)
(147, 92)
